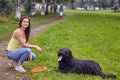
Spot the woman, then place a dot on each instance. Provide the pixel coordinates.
(18, 49)
(61, 11)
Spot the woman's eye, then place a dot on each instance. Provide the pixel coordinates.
(26, 22)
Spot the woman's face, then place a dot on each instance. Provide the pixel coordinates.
(25, 23)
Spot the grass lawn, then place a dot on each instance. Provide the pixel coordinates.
(93, 35)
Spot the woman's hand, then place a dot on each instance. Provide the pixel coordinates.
(30, 57)
(39, 49)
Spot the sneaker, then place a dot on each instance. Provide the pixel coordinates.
(20, 69)
(14, 64)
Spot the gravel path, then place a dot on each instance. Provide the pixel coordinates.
(7, 71)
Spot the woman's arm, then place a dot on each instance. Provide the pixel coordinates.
(19, 35)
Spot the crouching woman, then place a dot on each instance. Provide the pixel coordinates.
(18, 49)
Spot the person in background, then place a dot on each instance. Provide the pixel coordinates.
(61, 11)
(18, 49)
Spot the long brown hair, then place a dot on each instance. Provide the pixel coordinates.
(27, 30)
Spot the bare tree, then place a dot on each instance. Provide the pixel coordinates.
(43, 8)
(47, 3)
(51, 6)
(18, 14)
(32, 7)
(55, 6)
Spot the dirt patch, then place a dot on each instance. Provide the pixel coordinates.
(7, 71)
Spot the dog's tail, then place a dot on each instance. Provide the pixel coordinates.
(111, 76)
(107, 75)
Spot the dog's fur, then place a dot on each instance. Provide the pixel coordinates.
(68, 64)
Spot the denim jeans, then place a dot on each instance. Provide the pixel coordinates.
(20, 54)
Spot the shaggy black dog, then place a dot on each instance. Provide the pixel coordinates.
(68, 64)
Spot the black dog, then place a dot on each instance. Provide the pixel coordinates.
(68, 64)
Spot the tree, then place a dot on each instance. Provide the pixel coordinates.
(5, 7)
(43, 8)
(18, 14)
(27, 6)
(72, 4)
(55, 6)
(51, 6)
(32, 7)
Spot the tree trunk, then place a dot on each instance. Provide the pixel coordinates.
(32, 7)
(18, 14)
(46, 12)
(72, 4)
(43, 8)
(55, 6)
(51, 6)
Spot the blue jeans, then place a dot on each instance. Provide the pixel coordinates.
(20, 54)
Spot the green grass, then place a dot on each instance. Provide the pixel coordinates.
(90, 35)
(9, 23)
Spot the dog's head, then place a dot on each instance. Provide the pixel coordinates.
(64, 54)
